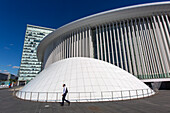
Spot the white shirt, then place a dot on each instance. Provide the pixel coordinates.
(64, 89)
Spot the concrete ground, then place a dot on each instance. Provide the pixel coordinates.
(159, 103)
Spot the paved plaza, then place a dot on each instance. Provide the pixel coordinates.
(159, 103)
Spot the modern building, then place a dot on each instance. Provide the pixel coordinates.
(119, 45)
(134, 38)
(30, 66)
(7, 77)
(7, 80)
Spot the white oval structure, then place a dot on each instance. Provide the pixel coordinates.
(87, 79)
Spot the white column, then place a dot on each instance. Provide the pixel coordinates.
(58, 52)
(86, 42)
(56, 58)
(101, 46)
(66, 47)
(140, 45)
(72, 45)
(160, 42)
(115, 44)
(165, 42)
(108, 45)
(132, 50)
(152, 66)
(111, 41)
(120, 53)
(61, 51)
(90, 44)
(147, 55)
(168, 23)
(161, 69)
(77, 43)
(103, 32)
(74, 40)
(123, 46)
(127, 48)
(80, 49)
(63, 48)
(136, 49)
(143, 46)
(166, 31)
(97, 40)
(154, 49)
(83, 47)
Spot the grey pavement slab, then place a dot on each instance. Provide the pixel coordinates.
(159, 103)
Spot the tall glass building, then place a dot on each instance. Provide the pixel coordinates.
(30, 66)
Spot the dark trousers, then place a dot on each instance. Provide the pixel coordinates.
(63, 99)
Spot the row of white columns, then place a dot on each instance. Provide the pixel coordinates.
(76, 44)
(140, 46)
(114, 32)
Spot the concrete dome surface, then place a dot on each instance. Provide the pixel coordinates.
(87, 79)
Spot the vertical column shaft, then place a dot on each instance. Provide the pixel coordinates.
(80, 49)
(127, 48)
(97, 40)
(111, 41)
(131, 49)
(108, 45)
(119, 46)
(101, 44)
(105, 54)
(115, 44)
(90, 44)
(123, 48)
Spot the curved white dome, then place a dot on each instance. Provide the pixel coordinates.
(86, 79)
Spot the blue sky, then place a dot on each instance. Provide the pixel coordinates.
(16, 14)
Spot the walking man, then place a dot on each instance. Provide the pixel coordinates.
(65, 91)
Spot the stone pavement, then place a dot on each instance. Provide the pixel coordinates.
(159, 103)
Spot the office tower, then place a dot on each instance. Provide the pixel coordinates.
(30, 66)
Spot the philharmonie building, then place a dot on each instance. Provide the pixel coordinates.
(105, 56)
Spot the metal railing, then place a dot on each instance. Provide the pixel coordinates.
(84, 96)
(4, 86)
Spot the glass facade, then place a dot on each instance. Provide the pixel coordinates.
(30, 66)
